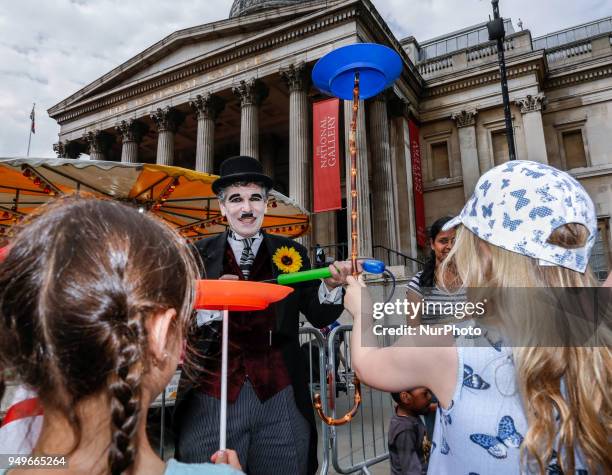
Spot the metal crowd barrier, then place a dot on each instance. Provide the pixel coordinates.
(361, 443)
(311, 338)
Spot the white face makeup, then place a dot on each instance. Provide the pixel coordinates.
(244, 207)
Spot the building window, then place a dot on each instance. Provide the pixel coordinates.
(439, 161)
(600, 256)
(573, 149)
(500, 147)
(573, 144)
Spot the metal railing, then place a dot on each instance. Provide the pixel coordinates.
(339, 251)
(311, 338)
(380, 252)
(361, 443)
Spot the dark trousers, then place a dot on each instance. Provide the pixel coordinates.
(270, 437)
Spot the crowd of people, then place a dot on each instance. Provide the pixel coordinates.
(96, 310)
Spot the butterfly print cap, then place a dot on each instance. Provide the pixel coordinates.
(517, 205)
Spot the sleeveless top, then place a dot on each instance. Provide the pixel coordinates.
(481, 431)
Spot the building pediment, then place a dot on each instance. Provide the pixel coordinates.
(185, 47)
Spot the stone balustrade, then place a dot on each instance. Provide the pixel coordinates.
(436, 65)
(570, 51)
(488, 51)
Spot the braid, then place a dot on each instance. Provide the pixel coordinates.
(125, 394)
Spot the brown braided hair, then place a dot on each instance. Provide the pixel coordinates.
(76, 288)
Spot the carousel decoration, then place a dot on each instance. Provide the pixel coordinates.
(183, 198)
(356, 72)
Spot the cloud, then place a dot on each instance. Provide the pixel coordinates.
(51, 49)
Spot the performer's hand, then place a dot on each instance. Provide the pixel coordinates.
(228, 456)
(339, 271)
(229, 277)
(356, 297)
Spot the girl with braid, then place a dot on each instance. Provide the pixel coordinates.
(95, 298)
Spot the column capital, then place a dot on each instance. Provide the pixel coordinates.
(250, 92)
(465, 118)
(167, 119)
(98, 141)
(67, 149)
(295, 77)
(531, 103)
(131, 130)
(207, 106)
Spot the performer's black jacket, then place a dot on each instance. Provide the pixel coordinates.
(304, 299)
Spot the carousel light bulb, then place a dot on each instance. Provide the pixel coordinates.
(141, 209)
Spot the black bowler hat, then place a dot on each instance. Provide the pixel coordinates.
(242, 168)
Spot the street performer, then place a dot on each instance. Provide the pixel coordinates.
(270, 419)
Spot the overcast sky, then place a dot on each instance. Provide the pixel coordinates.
(49, 49)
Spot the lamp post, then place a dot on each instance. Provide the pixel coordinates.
(497, 32)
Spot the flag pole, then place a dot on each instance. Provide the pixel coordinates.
(31, 127)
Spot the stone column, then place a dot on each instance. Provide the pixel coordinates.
(67, 149)
(167, 121)
(206, 109)
(531, 109)
(98, 144)
(470, 170)
(131, 132)
(364, 225)
(251, 93)
(400, 155)
(384, 207)
(299, 171)
(268, 152)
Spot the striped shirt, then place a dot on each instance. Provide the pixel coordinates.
(438, 304)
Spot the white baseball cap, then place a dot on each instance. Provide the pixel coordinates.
(517, 206)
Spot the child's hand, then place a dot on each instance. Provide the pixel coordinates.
(356, 298)
(228, 456)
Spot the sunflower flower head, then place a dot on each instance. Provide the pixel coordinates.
(287, 259)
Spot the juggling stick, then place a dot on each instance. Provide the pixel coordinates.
(234, 295)
(370, 265)
(338, 74)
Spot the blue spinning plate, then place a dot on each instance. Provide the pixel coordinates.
(378, 67)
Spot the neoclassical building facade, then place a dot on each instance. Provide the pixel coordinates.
(242, 85)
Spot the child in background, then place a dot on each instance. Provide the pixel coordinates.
(408, 451)
(509, 408)
(94, 300)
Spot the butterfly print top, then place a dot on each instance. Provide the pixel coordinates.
(483, 428)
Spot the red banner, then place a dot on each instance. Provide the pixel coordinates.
(417, 184)
(326, 156)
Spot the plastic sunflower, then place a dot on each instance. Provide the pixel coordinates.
(287, 259)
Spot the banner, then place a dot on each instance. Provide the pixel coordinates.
(417, 184)
(326, 156)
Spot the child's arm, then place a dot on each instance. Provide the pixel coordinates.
(411, 362)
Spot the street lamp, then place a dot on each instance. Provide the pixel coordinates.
(497, 32)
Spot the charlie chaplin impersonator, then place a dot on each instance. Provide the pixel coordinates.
(270, 419)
